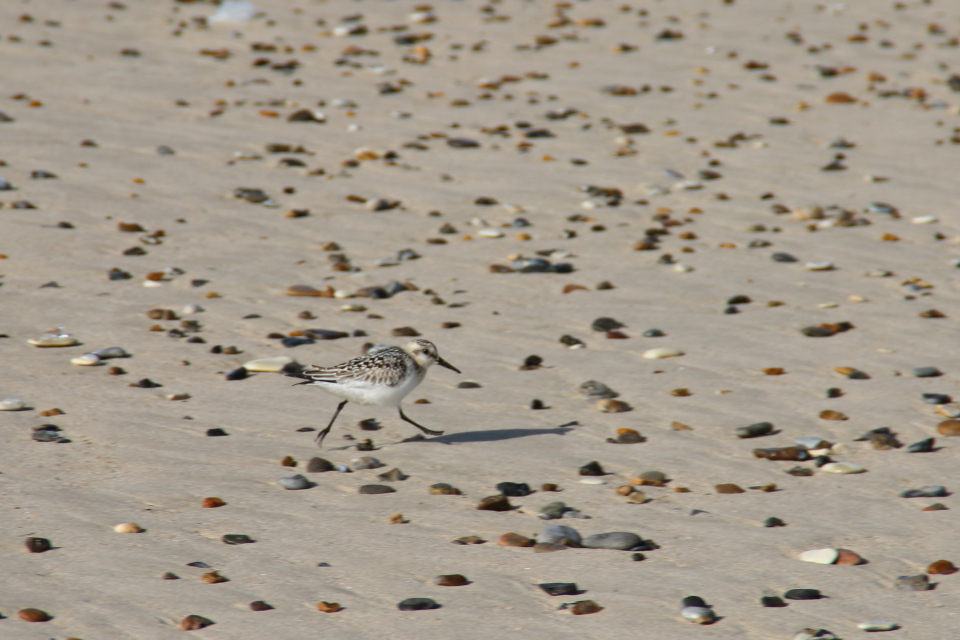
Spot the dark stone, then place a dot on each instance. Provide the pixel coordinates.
(118, 274)
(924, 446)
(739, 299)
(42, 434)
(462, 143)
(618, 540)
(780, 256)
(936, 398)
(554, 510)
(374, 489)
(38, 545)
(693, 601)
(495, 503)
(773, 521)
(418, 604)
(514, 489)
(817, 332)
(531, 362)
(296, 341)
(927, 372)
(238, 374)
(146, 383)
(755, 430)
(260, 605)
(834, 392)
(592, 469)
(932, 491)
(803, 594)
(772, 601)
(559, 588)
(637, 557)
(570, 341)
(451, 580)
(319, 465)
(731, 310)
(325, 334)
(606, 324)
(216, 431)
(537, 405)
(237, 538)
(653, 333)
(468, 384)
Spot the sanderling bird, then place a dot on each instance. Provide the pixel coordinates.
(383, 376)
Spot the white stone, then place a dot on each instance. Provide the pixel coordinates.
(700, 615)
(268, 365)
(875, 625)
(353, 307)
(842, 467)
(662, 352)
(490, 233)
(178, 396)
(592, 481)
(820, 266)
(12, 404)
(152, 284)
(682, 268)
(54, 338)
(87, 360)
(820, 556)
(191, 309)
(925, 220)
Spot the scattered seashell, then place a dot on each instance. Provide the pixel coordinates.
(87, 360)
(842, 467)
(128, 527)
(269, 365)
(54, 338)
(12, 404)
(820, 556)
(662, 352)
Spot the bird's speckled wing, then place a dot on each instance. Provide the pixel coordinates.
(387, 366)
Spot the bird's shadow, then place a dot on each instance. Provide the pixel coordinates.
(493, 435)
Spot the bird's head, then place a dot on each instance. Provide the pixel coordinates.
(425, 354)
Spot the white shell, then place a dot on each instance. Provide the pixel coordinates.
(11, 404)
(682, 268)
(55, 338)
(268, 365)
(178, 396)
(152, 284)
(192, 308)
(662, 352)
(490, 233)
(592, 481)
(87, 360)
(925, 220)
(128, 527)
(877, 626)
(842, 467)
(820, 556)
(820, 266)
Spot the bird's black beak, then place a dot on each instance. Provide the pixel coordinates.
(444, 363)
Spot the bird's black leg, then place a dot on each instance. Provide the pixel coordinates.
(323, 434)
(429, 432)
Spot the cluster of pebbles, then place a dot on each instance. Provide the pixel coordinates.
(701, 303)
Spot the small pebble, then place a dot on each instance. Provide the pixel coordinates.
(595, 389)
(212, 503)
(949, 428)
(877, 626)
(260, 605)
(269, 365)
(194, 622)
(394, 475)
(619, 540)
(169, 576)
(942, 567)
(12, 404)
(774, 522)
(495, 503)
(585, 607)
(237, 538)
(842, 467)
(38, 545)
(319, 465)
(329, 607)
(213, 577)
(34, 615)
(559, 588)
(927, 372)
(375, 489)
(366, 462)
(913, 583)
(728, 487)
(814, 634)
(604, 325)
(451, 580)
(803, 594)
(417, 604)
(930, 491)
(128, 527)
(848, 558)
(772, 601)
(924, 446)
(443, 489)
(755, 430)
(514, 489)
(514, 540)
(820, 556)
(663, 352)
(592, 469)
(699, 615)
(559, 533)
(54, 338)
(609, 405)
(294, 483)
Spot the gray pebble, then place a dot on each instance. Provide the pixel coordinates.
(554, 510)
(930, 491)
(366, 462)
(620, 540)
(374, 489)
(913, 583)
(553, 533)
(927, 372)
(595, 389)
(653, 333)
(319, 465)
(755, 430)
(294, 482)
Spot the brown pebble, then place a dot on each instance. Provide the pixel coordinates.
(728, 487)
(469, 540)
(443, 489)
(937, 506)
(584, 607)
(830, 414)
(495, 503)
(774, 371)
(609, 405)
(625, 490)
(192, 623)
(51, 412)
(397, 518)
(306, 291)
(679, 426)
(329, 607)
(681, 393)
(514, 540)
(213, 577)
(781, 453)
(409, 332)
(169, 576)
(942, 567)
(949, 428)
(116, 371)
(38, 545)
(34, 615)
(840, 98)
(848, 558)
(212, 503)
(451, 580)
(932, 313)
(637, 497)
(569, 288)
(549, 487)
(288, 461)
(130, 227)
(260, 605)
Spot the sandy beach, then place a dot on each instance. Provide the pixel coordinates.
(762, 195)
